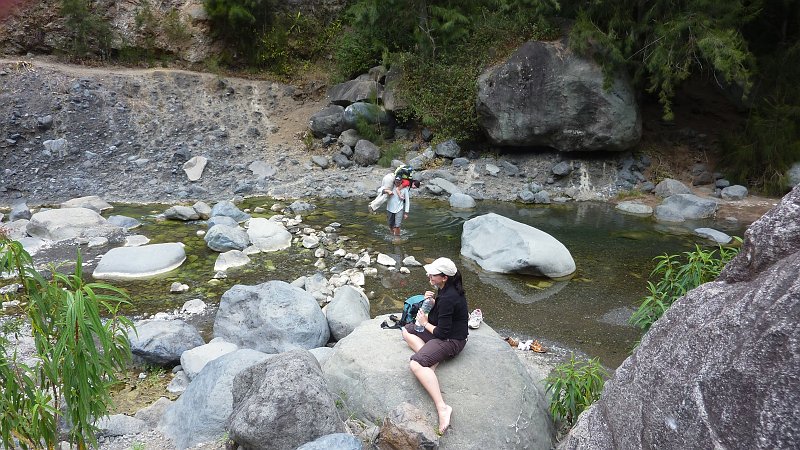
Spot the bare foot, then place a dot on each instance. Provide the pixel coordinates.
(444, 418)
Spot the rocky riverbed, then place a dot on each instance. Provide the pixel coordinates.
(125, 135)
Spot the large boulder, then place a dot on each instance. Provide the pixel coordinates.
(499, 244)
(145, 261)
(201, 412)
(161, 342)
(346, 311)
(282, 403)
(361, 89)
(329, 120)
(92, 202)
(69, 223)
(369, 112)
(222, 238)
(681, 207)
(268, 235)
(545, 95)
(719, 368)
(271, 317)
(229, 209)
(366, 153)
(495, 402)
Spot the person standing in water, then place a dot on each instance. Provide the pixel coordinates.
(398, 206)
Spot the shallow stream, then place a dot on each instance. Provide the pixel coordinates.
(613, 252)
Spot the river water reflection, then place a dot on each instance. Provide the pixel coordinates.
(613, 253)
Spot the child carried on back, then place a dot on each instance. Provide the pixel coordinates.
(387, 185)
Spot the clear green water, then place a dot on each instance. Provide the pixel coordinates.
(613, 253)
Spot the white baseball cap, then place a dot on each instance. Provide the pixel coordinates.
(441, 265)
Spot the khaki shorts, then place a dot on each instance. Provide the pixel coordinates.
(435, 350)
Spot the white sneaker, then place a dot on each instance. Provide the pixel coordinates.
(475, 319)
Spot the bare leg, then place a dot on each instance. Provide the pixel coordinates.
(414, 342)
(427, 377)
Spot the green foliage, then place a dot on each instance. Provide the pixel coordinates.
(663, 42)
(294, 40)
(240, 23)
(371, 131)
(78, 354)
(573, 387)
(441, 48)
(354, 53)
(441, 95)
(90, 33)
(676, 277)
(175, 28)
(391, 152)
(760, 154)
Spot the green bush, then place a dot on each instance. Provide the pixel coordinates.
(78, 355)
(679, 277)
(573, 387)
(294, 41)
(240, 23)
(90, 33)
(391, 152)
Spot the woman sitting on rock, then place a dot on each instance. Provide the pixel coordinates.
(444, 335)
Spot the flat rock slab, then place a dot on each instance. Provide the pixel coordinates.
(124, 263)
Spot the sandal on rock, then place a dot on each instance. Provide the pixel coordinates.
(536, 346)
(511, 341)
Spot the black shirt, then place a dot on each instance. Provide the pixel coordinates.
(450, 314)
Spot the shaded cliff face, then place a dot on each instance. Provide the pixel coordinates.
(719, 369)
(178, 28)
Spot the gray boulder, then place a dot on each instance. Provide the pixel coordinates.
(279, 317)
(329, 120)
(92, 202)
(69, 223)
(715, 235)
(392, 101)
(366, 153)
(124, 222)
(544, 95)
(793, 175)
(680, 207)
(724, 358)
(282, 403)
(144, 261)
(346, 311)
(161, 342)
(335, 441)
(222, 238)
(735, 192)
(202, 411)
(635, 208)
(369, 112)
(221, 220)
(462, 201)
(349, 137)
(179, 212)
(495, 402)
(448, 149)
(669, 187)
(120, 425)
(19, 211)
(194, 360)
(227, 208)
(268, 235)
(358, 90)
(499, 244)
